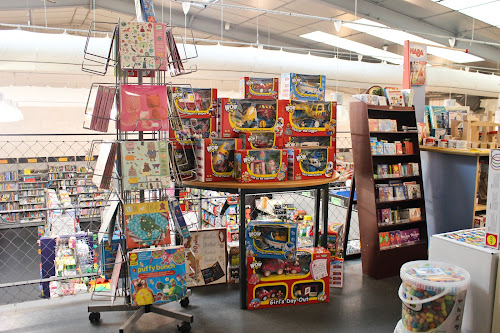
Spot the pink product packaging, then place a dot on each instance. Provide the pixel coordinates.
(143, 108)
(410, 235)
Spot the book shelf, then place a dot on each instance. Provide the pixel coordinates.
(381, 262)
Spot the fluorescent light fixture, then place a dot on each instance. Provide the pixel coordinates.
(353, 46)
(9, 112)
(482, 10)
(399, 37)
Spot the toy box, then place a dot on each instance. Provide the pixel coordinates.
(186, 161)
(146, 224)
(206, 257)
(215, 159)
(195, 102)
(260, 140)
(276, 282)
(308, 141)
(304, 163)
(107, 254)
(195, 127)
(260, 165)
(302, 87)
(259, 88)
(309, 118)
(271, 239)
(337, 273)
(246, 115)
(157, 275)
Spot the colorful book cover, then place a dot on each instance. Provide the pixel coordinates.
(395, 216)
(415, 214)
(414, 169)
(145, 165)
(385, 193)
(143, 108)
(383, 171)
(178, 217)
(146, 224)
(393, 125)
(385, 215)
(399, 148)
(396, 170)
(389, 148)
(408, 96)
(394, 96)
(385, 125)
(380, 148)
(373, 125)
(149, 11)
(157, 275)
(399, 193)
(413, 191)
(408, 147)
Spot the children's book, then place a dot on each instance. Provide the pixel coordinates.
(408, 147)
(394, 96)
(143, 108)
(146, 224)
(389, 148)
(145, 165)
(407, 96)
(385, 215)
(399, 193)
(399, 148)
(383, 171)
(414, 169)
(415, 214)
(413, 191)
(396, 170)
(373, 125)
(385, 193)
(380, 148)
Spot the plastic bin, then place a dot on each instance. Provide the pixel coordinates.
(433, 295)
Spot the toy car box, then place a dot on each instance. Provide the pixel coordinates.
(246, 115)
(194, 127)
(309, 118)
(308, 141)
(277, 282)
(215, 159)
(261, 140)
(307, 163)
(157, 275)
(259, 88)
(271, 239)
(260, 165)
(195, 102)
(302, 87)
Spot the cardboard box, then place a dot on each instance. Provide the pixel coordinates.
(146, 224)
(271, 239)
(309, 118)
(261, 140)
(309, 141)
(302, 87)
(306, 163)
(259, 88)
(251, 116)
(195, 102)
(195, 127)
(215, 159)
(157, 275)
(260, 165)
(275, 282)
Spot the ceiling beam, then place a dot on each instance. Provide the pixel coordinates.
(402, 21)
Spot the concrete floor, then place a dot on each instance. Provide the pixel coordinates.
(363, 305)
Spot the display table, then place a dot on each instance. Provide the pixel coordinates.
(450, 185)
(464, 248)
(243, 189)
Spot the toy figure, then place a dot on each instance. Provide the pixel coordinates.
(271, 167)
(220, 159)
(258, 170)
(314, 161)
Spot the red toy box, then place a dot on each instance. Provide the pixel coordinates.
(309, 118)
(261, 140)
(260, 165)
(215, 159)
(308, 141)
(184, 156)
(195, 127)
(307, 163)
(276, 282)
(302, 87)
(195, 102)
(259, 88)
(245, 115)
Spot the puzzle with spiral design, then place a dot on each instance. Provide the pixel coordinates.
(146, 224)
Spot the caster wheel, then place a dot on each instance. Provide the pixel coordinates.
(185, 327)
(185, 302)
(94, 317)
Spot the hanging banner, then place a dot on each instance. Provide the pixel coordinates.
(415, 64)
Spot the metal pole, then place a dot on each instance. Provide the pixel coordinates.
(325, 198)
(317, 204)
(243, 257)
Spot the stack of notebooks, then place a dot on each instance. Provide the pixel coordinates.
(104, 166)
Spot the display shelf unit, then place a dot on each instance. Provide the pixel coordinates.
(384, 262)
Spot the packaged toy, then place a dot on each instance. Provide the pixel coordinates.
(195, 127)
(246, 115)
(194, 102)
(303, 87)
(271, 239)
(259, 88)
(309, 141)
(145, 165)
(260, 165)
(282, 282)
(146, 224)
(306, 163)
(215, 159)
(336, 273)
(143, 108)
(157, 275)
(186, 161)
(309, 118)
(260, 140)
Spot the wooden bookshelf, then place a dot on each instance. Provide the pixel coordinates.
(384, 262)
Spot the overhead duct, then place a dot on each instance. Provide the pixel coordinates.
(62, 53)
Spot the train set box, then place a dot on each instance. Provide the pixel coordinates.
(259, 88)
(215, 159)
(250, 116)
(302, 87)
(309, 118)
(283, 282)
(271, 239)
(194, 102)
(260, 165)
(310, 163)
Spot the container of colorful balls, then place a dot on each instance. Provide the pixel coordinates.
(433, 296)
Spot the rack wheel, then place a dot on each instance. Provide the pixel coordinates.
(94, 317)
(185, 302)
(185, 327)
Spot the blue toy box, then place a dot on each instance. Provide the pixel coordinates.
(157, 275)
(108, 254)
(303, 87)
(271, 239)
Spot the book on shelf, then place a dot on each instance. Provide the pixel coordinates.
(413, 191)
(373, 125)
(414, 214)
(399, 192)
(394, 96)
(407, 96)
(385, 193)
